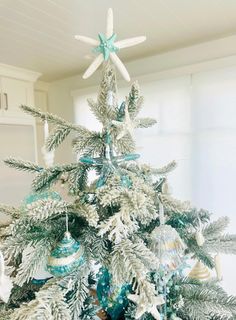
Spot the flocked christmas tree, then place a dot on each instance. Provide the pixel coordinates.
(119, 248)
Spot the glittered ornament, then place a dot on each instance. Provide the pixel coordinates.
(167, 244)
(200, 272)
(112, 299)
(67, 256)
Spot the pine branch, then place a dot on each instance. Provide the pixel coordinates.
(57, 136)
(49, 304)
(44, 209)
(10, 210)
(134, 100)
(146, 122)
(78, 290)
(90, 142)
(128, 267)
(78, 178)
(88, 212)
(215, 228)
(22, 165)
(53, 119)
(32, 261)
(221, 244)
(48, 176)
(96, 248)
(164, 170)
(203, 301)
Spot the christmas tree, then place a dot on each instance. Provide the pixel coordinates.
(119, 246)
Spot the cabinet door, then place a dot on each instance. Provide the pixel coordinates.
(15, 93)
(17, 141)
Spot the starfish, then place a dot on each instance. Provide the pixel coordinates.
(127, 125)
(147, 307)
(107, 47)
(109, 163)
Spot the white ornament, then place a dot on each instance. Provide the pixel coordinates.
(143, 307)
(199, 238)
(48, 156)
(126, 126)
(108, 48)
(218, 267)
(5, 282)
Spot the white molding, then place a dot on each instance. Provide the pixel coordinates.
(27, 120)
(169, 73)
(18, 73)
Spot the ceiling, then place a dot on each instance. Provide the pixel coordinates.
(38, 35)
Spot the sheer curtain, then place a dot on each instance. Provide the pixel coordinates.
(196, 126)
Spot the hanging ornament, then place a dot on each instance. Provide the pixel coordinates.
(107, 46)
(48, 156)
(5, 282)
(67, 255)
(218, 267)
(109, 164)
(199, 235)
(166, 188)
(111, 299)
(199, 238)
(144, 307)
(167, 244)
(200, 272)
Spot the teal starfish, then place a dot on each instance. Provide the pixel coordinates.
(106, 45)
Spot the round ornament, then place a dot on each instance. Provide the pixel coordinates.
(168, 246)
(67, 255)
(112, 299)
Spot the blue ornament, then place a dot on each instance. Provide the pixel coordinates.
(112, 299)
(33, 197)
(67, 256)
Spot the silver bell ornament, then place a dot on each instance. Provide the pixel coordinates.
(167, 244)
(67, 256)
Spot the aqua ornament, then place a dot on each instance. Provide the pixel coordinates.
(112, 299)
(106, 45)
(67, 256)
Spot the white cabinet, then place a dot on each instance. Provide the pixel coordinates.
(16, 88)
(14, 93)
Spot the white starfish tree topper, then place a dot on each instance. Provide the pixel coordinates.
(107, 47)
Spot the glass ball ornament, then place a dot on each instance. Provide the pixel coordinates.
(168, 247)
(66, 256)
(112, 299)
